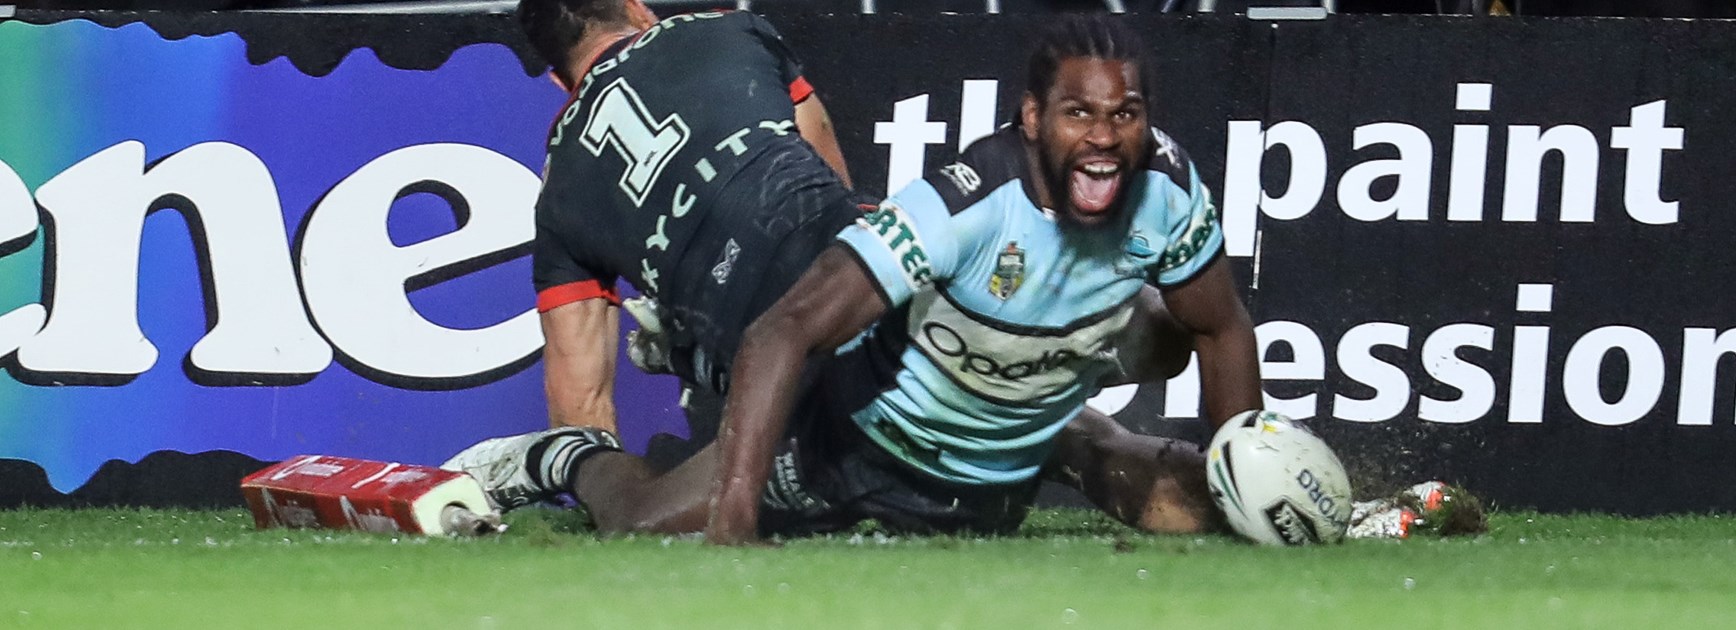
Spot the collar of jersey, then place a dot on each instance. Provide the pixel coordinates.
(611, 47)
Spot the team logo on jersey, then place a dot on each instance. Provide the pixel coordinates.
(1138, 246)
(1009, 271)
(1138, 254)
(726, 263)
(963, 176)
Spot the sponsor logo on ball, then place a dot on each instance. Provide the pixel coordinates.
(1317, 494)
(1291, 525)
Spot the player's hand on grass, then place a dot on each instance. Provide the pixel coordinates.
(734, 521)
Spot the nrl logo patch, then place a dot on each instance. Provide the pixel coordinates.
(963, 176)
(1009, 271)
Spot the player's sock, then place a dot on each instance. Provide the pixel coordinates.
(554, 462)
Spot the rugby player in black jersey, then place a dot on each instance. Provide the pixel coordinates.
(701, 118)
(692, 161)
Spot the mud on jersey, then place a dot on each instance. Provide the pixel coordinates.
(660, 123)
(1004, 318)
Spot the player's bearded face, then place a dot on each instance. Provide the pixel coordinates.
(1090, 132)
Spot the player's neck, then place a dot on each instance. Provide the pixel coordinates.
(585, 52)
(1038, 183)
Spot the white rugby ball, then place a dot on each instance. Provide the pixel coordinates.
(1277, 482)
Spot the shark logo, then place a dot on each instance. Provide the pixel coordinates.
(1137, 256)
(1140, 247)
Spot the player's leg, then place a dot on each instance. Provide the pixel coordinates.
(1152, 483)
(621, 491)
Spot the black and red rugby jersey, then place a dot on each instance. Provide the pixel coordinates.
(659, 124)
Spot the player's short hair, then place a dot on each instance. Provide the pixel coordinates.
(1097, 36)
(555, 26)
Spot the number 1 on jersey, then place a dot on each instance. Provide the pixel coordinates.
(620, 120)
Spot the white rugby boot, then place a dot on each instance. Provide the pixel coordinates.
(508, 466)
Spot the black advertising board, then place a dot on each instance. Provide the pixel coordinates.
(1485, 250)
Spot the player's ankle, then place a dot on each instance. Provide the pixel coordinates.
(555, 463)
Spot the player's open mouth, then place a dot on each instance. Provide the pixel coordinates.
(1095, 182)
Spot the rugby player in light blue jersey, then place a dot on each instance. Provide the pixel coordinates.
(931, 366)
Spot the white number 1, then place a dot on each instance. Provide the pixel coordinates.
(620, 120)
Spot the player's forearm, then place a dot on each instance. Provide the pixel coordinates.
(1229, 373)
(763, 384)
(579, 363)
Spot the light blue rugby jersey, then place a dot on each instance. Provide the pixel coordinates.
(1003, 320)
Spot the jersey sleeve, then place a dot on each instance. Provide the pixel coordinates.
(560, 279)
(789, 66)
(1194, 233)
(907, 243)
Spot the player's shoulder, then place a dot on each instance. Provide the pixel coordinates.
(985, 166)
(744, 21)
(709, 23)
(1169, 159)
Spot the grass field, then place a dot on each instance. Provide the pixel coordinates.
(123, 569)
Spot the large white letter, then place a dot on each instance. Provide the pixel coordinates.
(355, 278)
(1470, 160)
(1645, 375)
(1356, 359)
(18, 225)
(1646, 139)
(1701, 350)
(1416, 155)
(976, 112)
(1530, 354)
(1307, 363)
(98, 209)
(261, 327)
(908, 135)
(1525, 151)
(1242, 167)
(1441, 360)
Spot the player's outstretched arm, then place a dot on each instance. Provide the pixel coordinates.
(815, 125)
(1155, 484)
(831, 303)
(1223, 334)
(579, 363)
